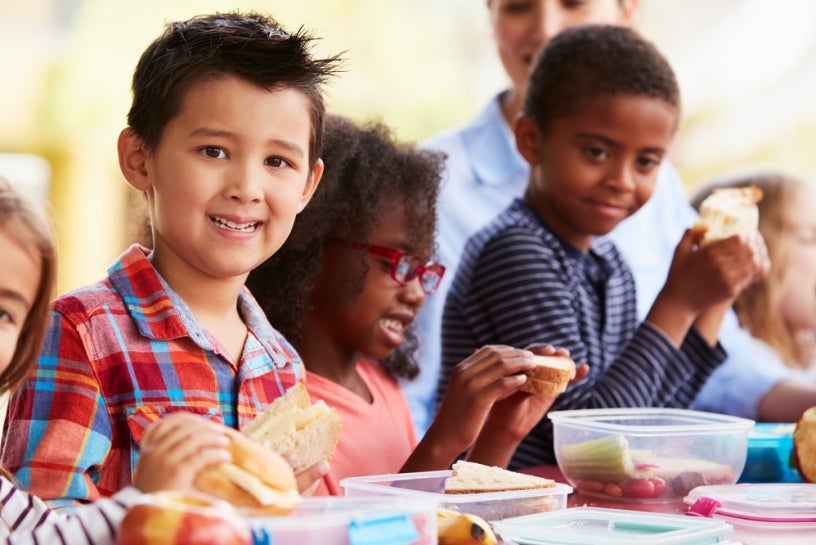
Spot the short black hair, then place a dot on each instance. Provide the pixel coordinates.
(366, 173)
(590, 60)
(250, 46)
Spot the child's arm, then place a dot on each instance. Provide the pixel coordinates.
(175, 449)
(489, 374)
(35, 522)
(703, 282)
(512, 418)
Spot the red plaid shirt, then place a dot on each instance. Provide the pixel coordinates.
(119, 355)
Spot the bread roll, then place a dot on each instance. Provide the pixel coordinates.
(550, 376)
(292, 423)
(257, 480)
(729, 211)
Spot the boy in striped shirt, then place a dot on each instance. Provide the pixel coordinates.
(599, 116)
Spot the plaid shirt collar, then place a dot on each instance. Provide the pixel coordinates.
(160, 313)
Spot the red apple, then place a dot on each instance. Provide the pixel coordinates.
(182, 518)
(804, 445)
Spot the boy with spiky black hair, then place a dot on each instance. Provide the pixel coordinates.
(224, 141)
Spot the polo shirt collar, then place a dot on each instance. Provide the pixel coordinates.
(492, 147)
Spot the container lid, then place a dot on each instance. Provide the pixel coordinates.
(765, 502)
(600, 526)
(652, 421)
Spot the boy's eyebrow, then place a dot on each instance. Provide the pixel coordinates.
(205, 131)
(612, 143)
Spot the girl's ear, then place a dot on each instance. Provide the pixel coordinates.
(528, 138)
(312, 182)
(133, 159)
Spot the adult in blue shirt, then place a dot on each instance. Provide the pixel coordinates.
(485, 172)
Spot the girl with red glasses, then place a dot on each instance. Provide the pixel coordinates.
(345, 289)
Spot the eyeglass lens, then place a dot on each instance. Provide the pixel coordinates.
(407, 268)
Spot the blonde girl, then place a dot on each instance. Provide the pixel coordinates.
(781, 308)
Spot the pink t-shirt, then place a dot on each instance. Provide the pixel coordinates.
(376, 438)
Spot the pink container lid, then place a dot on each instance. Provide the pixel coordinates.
(763, 502)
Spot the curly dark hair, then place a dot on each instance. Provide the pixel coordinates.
(366, 172)
(592, 60)
(250, 46)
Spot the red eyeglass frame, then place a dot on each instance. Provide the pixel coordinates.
(395, 256)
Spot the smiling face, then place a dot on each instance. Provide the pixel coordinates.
(598, 166)
(373, 323)
(522, 28)
(226, 179)
(19, 281)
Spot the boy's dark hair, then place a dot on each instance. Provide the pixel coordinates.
(366, 174)
(250, 46)
(591, 60)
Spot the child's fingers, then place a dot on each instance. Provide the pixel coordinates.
(172, 424)
(581, 370)
(187, 442)
(309, 479)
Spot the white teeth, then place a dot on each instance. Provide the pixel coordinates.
(226, 224)
(394, 325)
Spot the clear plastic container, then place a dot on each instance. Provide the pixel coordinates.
(762, 513)
(599, 526)
(351, 521)
(769, 455)
(647, 455)
(431, 485)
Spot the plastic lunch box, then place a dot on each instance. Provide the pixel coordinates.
(431, 485)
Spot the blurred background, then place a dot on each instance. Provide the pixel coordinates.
(747, 70)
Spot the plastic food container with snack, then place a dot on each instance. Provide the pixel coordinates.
(351, 521)
(431, 485)
(648, 454)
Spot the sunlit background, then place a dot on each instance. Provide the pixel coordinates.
(747, 69)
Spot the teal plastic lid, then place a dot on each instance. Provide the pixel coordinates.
(599, 526)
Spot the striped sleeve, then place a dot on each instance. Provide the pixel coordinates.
(31, 522)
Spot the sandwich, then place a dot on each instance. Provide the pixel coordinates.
(293, 424)
(257, 480)
(550, 376)
(528, 494)
(471, 478)
(729, 211)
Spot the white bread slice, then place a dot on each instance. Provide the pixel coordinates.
(550, 376)
(471, 478)
(729, 211)
(293, 424)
